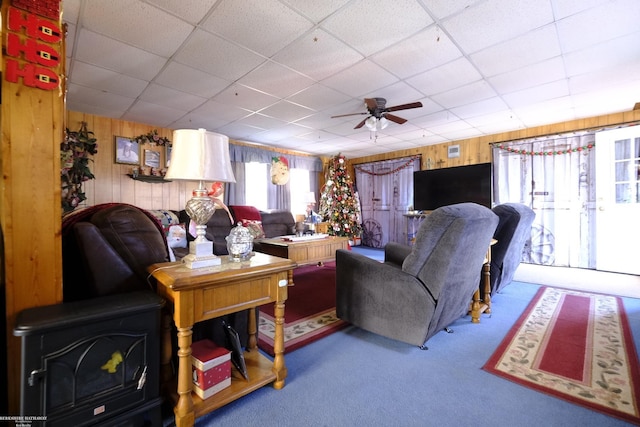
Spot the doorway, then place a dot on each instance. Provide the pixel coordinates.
(386, 194)
(618, 200)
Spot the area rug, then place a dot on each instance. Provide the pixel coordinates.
(576, 346)
(310, 309)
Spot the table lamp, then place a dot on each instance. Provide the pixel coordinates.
(199, 155)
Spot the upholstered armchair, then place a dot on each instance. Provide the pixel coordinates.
(512, 233)
(420, 290)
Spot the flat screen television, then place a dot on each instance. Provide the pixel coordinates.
(434, 188)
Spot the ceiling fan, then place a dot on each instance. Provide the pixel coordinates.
(379, 113)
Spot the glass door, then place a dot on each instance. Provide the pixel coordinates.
(618, 200)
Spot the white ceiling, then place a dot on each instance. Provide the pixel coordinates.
(275, 71)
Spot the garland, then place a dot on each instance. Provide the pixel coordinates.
(407, 164)
(546, 153)
(152, 138)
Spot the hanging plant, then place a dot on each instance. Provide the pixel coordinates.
(74, 165)
(152, 138)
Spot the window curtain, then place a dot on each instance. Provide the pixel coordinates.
(278, 196)
(555, 176)
(235, 192)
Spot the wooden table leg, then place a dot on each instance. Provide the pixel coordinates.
(184, 408)
(475, 307)
(486, 298)
(252, 330)
(279, 368)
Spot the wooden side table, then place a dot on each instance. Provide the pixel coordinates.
(482, 303)
(201, 294)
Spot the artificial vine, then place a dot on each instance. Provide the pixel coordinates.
(152, 138)
(74, 165)
(546, 153)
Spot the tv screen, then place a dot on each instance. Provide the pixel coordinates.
(434, 188)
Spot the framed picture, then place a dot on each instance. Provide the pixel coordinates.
(167, 154)
(127, 151)
(152, 159)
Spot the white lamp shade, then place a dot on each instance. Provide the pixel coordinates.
(310, 197)
(199, 155)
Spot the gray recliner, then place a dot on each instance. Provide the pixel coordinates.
(420, 290)
(512, 233)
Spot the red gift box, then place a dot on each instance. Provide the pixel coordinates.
(211, 368)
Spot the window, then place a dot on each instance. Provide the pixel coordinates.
(299, 187)
(258, 182)
(257, 178)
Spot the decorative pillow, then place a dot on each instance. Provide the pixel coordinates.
(176, 236)
(255, 227)
(165, 217)
(241, 213)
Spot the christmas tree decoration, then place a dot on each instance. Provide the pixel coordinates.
(339, 202)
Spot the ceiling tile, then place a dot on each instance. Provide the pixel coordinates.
(244, 97)
(275, 80)
(192, 11)
(92, 101)
(264, 26)
(318, 55)
(588, 28)
(186, 79)
(319, 96)
(424, 51)
(446, 77)
(611, 54)
(530, 48)
(141, 25)
(146, 112)
(116, 56)
(286, 111)
(172, 98)
(360, 79)
(494, 21)
(537, 94)
(532, 75)
(105, 80)
(315, 10)
(368, 31)
(216, 56)
(464, 95)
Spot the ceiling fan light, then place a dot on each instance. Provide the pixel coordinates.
(371, 123)
(382, 123)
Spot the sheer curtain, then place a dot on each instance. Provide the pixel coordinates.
(555, 176)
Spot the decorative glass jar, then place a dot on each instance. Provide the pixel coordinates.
(239, 243)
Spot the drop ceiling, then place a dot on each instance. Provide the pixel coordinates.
(273, 72)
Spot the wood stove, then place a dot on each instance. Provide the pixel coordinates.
(92, 362)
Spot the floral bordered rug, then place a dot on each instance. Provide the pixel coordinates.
(310, 310)
(576, 346)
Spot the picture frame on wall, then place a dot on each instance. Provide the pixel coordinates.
(127, 151)
(167, 154)
(152, 159)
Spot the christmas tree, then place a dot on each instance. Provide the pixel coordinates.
(339, 202)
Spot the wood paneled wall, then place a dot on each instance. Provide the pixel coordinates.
(478, 150)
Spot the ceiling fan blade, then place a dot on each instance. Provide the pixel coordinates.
(395, 119)
(404, 106)
(371, 103)
(350, 114)
(359, 125)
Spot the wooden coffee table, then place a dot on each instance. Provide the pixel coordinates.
(303, 252)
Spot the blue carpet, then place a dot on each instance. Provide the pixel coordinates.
(354, 377)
